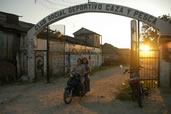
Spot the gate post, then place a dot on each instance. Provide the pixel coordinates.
(165, 61)
(31, 60)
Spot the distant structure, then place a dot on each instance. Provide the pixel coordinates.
(111, 55)
(89, 37)
(125, 55)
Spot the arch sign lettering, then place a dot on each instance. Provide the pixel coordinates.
(162, 26)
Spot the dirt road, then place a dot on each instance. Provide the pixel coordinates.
(41, 98)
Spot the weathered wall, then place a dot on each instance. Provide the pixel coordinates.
(165, 62)
(56, 63)
(65, 60)
(56, 56)
(90, 39)
(9, 51)
(22, 58)
(165, 68)
(73, 52)
(97, 40)
(9, 45)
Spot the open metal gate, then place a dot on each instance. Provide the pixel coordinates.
(150, 62)
(147, 59)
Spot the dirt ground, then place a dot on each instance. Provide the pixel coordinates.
(42, 98)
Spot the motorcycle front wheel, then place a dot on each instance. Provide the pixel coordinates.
(67, 96)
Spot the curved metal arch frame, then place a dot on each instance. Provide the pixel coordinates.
(162, 26)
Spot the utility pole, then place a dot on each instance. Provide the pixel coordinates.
(47, 56)
(64, 51)
(64, 54)
(101, 45)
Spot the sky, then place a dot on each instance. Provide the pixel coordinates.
(114, 29)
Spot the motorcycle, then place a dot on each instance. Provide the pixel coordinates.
(138, 91)
(74, 88)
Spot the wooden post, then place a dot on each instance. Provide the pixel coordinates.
(64, 55)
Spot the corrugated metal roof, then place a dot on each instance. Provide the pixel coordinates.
(17, 26)
(21, 27)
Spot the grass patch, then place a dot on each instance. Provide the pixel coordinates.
(124, 94)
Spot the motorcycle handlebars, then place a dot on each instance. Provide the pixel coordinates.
(135, 69)
(72, 74)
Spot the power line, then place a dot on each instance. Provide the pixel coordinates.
(56, 3)
(69, 2)
(45, 6)
(64, 1)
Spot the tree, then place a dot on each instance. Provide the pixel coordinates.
(150, 35)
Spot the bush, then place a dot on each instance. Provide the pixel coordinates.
(124, 94)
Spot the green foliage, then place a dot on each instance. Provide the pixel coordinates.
(150, 35)
(166, 18)
(124, 94)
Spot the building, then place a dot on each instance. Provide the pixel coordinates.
(89, 37)
(63, 53)
(111, 55)
(125, 55)
(13, 46)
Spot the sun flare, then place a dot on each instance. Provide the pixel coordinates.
(146, 51)
(145, 47)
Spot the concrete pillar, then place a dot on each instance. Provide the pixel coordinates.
(165, 63)
(31, 60)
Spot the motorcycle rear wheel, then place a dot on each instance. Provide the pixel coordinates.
(139, 98)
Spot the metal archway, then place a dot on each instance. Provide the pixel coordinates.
(162, 26)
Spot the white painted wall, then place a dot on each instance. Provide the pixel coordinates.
(59, 61)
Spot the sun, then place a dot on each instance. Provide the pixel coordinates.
(145, 47)
(145, 51)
